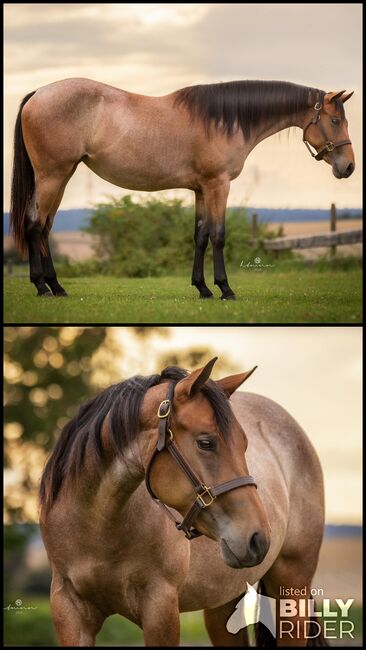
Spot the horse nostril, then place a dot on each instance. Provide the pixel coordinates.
(350, 169)
(256, 544)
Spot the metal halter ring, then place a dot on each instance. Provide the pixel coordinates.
(318, 106)
(330, 146)
(165, 402)
(210, 495)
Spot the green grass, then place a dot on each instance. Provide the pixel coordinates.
(295, 294)
(35, 627)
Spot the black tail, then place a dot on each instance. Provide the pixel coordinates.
(22, 187)
(264, 638)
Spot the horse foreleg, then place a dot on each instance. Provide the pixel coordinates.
(201, 234)
(285, 576)
(160, 617)
(77, 621)
(215, 196)
(215, 621)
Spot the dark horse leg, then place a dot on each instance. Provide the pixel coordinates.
(215, 195)
(36, 272)
(215, 621)
(48, 194)
(49, 272)
(201, 234)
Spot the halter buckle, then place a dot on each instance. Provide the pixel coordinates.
(165, 402)
(200, 498)
(329, 146)
(318, 106)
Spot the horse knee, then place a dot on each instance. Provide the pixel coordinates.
(217, 236)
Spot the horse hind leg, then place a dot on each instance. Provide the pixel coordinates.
(45, 194)
(49, 272)
(216, 620)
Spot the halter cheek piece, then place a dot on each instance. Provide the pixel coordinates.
(205, 495)
(328, 145)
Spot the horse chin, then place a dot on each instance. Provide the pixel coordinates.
(232, 560)
(336, 172)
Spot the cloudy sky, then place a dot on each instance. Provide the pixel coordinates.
(154, 49)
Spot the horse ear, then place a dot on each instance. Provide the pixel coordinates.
(344, 98)
(190, 385)
(232, 383)
(331, 97)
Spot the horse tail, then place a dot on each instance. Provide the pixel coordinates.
(23, 183)
(264, 638)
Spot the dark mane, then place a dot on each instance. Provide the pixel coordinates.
(122, 402)
(245, 104)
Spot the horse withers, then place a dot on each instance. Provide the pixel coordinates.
(148, 508)
(197, 138)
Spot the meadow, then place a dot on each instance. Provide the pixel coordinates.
(287, 292)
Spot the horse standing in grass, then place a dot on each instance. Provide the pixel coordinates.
(148, 508)
(197, 138)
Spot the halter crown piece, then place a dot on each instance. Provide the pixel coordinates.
(205, 496)
(328, 145)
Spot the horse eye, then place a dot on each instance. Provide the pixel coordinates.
(206, 444)
(335, 120)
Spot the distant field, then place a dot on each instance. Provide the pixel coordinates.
(298, 295)
(78, 245)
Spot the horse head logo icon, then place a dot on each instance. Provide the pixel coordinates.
(253, 608)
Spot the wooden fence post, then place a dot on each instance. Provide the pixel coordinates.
(255, 228)
(333, 226)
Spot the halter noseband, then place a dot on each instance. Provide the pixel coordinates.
(205, 495)
(328, 144)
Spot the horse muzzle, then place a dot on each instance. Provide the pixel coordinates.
(238, 555)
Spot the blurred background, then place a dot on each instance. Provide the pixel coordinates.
(315, 373)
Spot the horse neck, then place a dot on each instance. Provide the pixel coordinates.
(105, 492)
(276, 124)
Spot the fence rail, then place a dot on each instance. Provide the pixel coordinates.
(331, 238)
(314, 241)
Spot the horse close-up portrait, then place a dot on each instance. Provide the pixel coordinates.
(153, 463)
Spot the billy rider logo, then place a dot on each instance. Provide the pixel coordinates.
(296, 617)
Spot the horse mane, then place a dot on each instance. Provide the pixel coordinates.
(122, 403)
(245, 104)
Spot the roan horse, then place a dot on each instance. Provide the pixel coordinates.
(197, 138)
(115, 549)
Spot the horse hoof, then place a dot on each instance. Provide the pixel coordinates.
(46, 294)
(60, 294)
(231, 296)
(206, 296)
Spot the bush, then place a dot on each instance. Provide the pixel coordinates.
(154, 238)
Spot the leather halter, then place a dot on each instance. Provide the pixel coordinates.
(205, 495)
(328, 144)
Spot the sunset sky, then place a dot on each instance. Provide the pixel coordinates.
(157, 48)
(313, 372)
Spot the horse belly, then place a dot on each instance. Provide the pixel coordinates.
(143, 176)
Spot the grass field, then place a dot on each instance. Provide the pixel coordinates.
(35, 628)
(296, 295)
